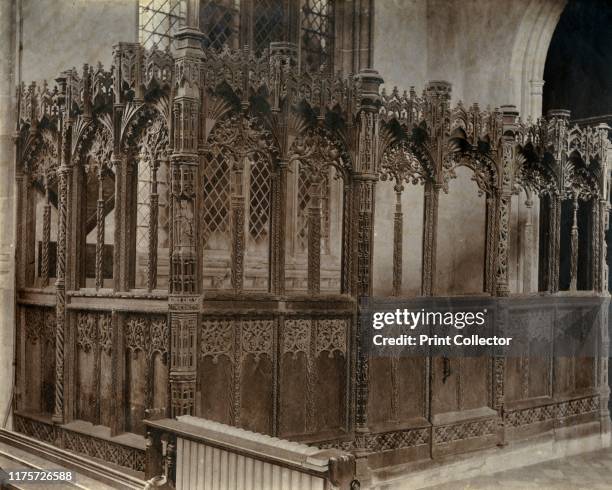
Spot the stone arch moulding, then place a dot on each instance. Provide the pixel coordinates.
(529, 54)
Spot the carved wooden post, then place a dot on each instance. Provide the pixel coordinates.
(347, 256)
(364, 184)
(127, 66)
(554, 237)
(574, 246)
(430, 236)
(527, 241)
(60, 283)
(100, 228)
(237, 224)
(277, 251)
(398, 229)
(596, 269)
(491, 236)
(184, 278)
(504, 199)
(436, 108)
(557, 127)
(153, 225)
(46, 236)
(601, 213)
(314, 234)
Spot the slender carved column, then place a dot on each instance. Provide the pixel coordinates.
(60, 287)
(364, 185)
(46, 237)
(277, 252)
(398, 228)
(596, 268)
(430, 234)
(184, 302)
(501, 279)
(237, 226)
(554, 232)
(347, 255)
(314, 236)
(100, 229)
(603, 246)
(490, 243)
(527, 245)
(504, 201)
(574, 247)
(153, 231)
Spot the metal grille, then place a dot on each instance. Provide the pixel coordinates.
(268, 17)
(317, 34)
(142, 205)
(216, 189)
(159, 20)
(219, 23)
(259, 201)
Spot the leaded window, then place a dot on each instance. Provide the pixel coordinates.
(159, 21)
(219, 22)
(317, 34)
(268, 22)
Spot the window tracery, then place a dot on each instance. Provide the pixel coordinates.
(219, 22)
(159, 21)
(317, 37)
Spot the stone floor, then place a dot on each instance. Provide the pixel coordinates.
(585, 471)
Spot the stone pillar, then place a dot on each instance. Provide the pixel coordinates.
(8, 12)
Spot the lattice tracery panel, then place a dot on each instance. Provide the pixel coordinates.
(216, 193)
(259, 202)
